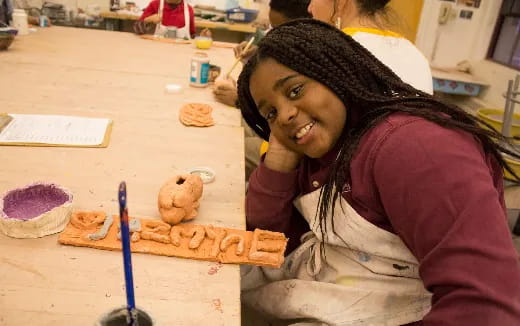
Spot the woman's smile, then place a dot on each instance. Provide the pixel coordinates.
(305, 133)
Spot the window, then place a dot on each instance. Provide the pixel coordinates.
(505, 46)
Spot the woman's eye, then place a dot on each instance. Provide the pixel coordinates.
(270, 115)
(295, 92)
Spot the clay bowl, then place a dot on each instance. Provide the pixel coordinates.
(35, 210)
(6, 38)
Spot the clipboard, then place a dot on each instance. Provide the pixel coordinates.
(8, 125)
(4, 120)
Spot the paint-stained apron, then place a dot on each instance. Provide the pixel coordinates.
(362, 275)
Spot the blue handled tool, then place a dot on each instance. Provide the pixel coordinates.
(127, 256)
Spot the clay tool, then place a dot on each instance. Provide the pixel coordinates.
(248, 45)
(127, 256)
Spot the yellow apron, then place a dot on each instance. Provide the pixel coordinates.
(367, 276)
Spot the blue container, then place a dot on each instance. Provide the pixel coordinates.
(455, 87)
(241, 15)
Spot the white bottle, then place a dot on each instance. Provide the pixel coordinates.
(20, 21)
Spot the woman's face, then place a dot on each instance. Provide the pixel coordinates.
(304, 115)
(321, 10)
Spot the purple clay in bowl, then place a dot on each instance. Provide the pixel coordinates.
(33, 201)
(35, 210)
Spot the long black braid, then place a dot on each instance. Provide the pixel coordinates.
(368, 88)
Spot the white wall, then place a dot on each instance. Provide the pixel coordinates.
(462, 39)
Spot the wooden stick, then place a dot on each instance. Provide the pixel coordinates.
(248, 45)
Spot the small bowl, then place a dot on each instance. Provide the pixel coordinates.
(8, 30)
(35, 210)
(119, 316)
(202, 42)
(5, 40)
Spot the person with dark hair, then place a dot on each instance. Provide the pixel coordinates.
(401, 194)
(368, 22)
(225, 91)
(280, 11)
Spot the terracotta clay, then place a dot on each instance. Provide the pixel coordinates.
(194, 241)
(179, 198)
(87, 220)
(196, 114)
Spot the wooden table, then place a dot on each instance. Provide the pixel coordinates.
(71, 71)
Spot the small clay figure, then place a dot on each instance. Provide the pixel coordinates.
(102, 233)
(156, 231)
(196, 114)
(84, 220)
(179, 198)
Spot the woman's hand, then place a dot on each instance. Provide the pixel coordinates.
(239, 51)
(153, 19)
(279, 157)
(225, 91)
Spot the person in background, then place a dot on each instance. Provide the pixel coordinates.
(280, 11)
(6, 12)
(369, 23)
(175, 14)
(225, 91)
(402, 193)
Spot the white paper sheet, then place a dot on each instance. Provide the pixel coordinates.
(54, 129)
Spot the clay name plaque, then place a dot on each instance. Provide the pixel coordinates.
(195, 241)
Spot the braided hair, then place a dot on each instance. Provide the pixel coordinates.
(369, 90)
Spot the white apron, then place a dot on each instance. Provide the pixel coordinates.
(182, 32)
(370, 278)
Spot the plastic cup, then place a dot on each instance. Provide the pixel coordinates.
(118, 317)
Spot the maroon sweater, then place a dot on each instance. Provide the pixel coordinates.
(435, 188)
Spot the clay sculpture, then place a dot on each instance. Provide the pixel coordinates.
(179, 198)
(196, 114)
(35, 210)
(186, 240)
